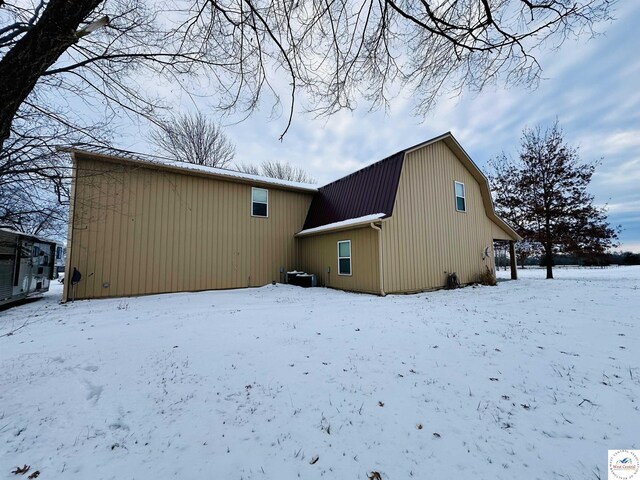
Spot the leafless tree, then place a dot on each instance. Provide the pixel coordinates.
(30, 211)
(285, 171)
(195, 139)
(34, 176)
(281, 170)
(248, 168)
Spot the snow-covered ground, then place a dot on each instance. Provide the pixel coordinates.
(532, 379)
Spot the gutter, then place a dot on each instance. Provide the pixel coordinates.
(379, 229)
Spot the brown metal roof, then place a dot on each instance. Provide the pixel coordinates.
(365, 192)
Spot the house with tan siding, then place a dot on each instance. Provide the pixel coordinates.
(140, 225)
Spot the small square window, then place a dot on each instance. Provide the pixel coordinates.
(259, 202)
(461, 201)
(344, 257)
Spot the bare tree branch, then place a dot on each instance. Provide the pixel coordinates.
(194, 139)
(277, 169)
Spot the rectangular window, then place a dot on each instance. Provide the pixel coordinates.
(259, 202)
(344, 257)
(461, 202)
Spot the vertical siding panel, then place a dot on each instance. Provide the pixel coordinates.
(192, 233)
(224, 253)
(116, 237)
(214, 234)
(154, 201)
(90, 237)
(157, 198)
(176, 228)
(181, 254)
(252, 232)
(150, 233)
(218, 225)
(101, 233)
(146, 239)
(133, 235)
(122, 234)
(174, 233)
(215, 224)
(82, 220)
(210, 241)
(107, 249)
(206, 238)
(92, 199)
(187, 254)
(202, 256)
(84, 237)
(139, 255)
(230, 248)
(164, 189)
(220, 243)
(124, 282)
(141, 242)
(204, 220)
(237, 234)
(114, 207)
(231, 277)
(194, 256)
(198, 254)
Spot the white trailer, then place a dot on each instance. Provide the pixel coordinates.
(26, 265)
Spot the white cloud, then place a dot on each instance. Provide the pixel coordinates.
(626, 207)
(629, 247)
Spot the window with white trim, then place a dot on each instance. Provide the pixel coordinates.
(344, 257)
(461, 201)
(259, 202)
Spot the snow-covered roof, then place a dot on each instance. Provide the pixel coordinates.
(154, 160)
(344, 224)
(28, 235)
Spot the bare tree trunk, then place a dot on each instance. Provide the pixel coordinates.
(548, 259)
(35, 52)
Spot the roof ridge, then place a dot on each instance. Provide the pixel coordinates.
(388, 157)
(366, 167)
(155, 160)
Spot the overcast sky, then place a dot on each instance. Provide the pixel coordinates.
(591, 86)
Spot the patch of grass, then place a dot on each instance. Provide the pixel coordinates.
(488, 277)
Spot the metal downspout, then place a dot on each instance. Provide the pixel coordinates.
(379, 229)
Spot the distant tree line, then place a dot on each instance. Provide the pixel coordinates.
(601, 260)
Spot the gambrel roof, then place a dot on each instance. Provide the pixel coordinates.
(372, 190)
